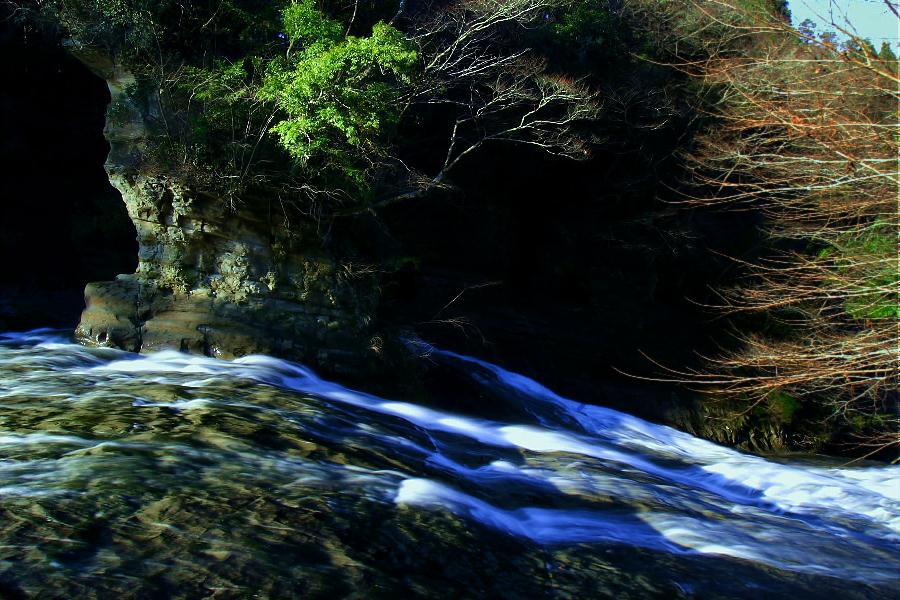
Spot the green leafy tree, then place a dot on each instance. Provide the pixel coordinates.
(328, 100)
(338, 95)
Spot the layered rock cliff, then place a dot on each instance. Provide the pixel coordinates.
(218, 278)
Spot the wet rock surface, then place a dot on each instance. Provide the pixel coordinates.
(226, 283)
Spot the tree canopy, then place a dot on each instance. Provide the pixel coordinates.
(263, 91)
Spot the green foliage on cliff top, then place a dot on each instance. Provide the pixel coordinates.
(338, 95)
(307, 95)
(330, 99)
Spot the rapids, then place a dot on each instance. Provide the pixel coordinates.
(171, 475)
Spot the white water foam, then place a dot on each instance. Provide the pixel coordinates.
(702, 498)
(872, 492)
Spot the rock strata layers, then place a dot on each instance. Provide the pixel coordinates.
(219, 278)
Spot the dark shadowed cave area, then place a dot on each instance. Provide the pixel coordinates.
(570, 272)
(62, 223)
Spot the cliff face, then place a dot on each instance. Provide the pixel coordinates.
(219, 280)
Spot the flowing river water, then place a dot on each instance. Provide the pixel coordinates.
(168, 475)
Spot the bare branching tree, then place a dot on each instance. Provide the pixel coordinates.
(499, 91)
(806, 130)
